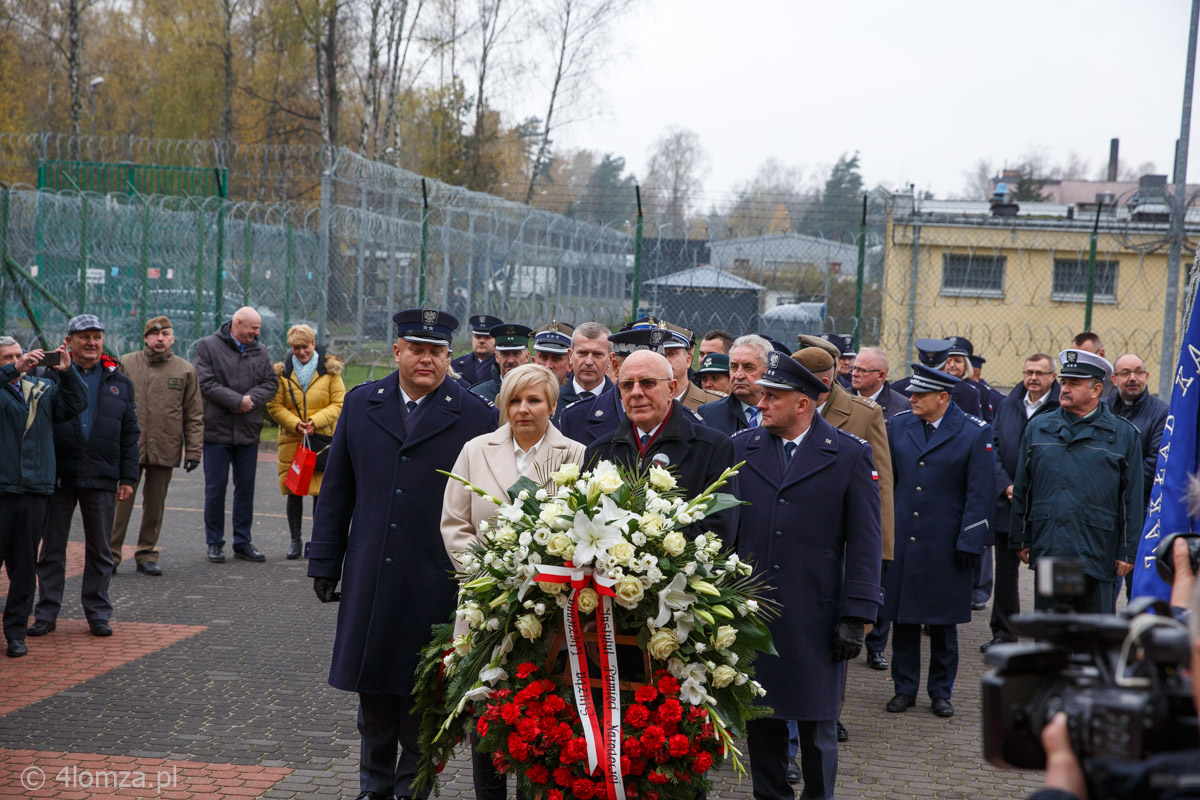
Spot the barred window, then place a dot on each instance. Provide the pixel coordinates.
(1070, 281)
(973, 275)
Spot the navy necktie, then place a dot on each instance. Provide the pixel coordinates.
(645, 440)
(411, 405)
(752, 417)
(930, 430)
(789, 450)
(586, 395)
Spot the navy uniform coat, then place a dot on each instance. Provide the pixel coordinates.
(964, 395)
(472, 370)
(592, 419)
(725, 415)
(378, 528)
(945, 492)
(812, 530)
(891, 401)
(567, 397)
(698, 456)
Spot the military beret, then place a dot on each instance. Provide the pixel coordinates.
(814, 359)
(714, 364)
(808, 340)
(157, 324)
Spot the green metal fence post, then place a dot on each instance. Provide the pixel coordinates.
(862, 268)
(83, 255)
(1091, 270)
(424, 243)
(637, 255)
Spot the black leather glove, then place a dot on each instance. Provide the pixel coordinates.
(965, 560)
(324, 587)
(847, 640)
(191, 464)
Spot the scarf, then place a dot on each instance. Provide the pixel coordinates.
(304, 372)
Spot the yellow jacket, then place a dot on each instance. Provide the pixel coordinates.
(322, 404)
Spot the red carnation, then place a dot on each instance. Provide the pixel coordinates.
(482, 726)
(527, 728)
(526, 669)
(511, 712)
(561, 734)
(583, 789)
(701, 763)
(500, 694)
(679, 745)
(632, 746)
(562, 776)
(670, 711)
(653, 739)
(553, 704)
(518, 748)
(645, 694)
(637, 716)
(626, 765)
(576, 750)
(554, 794)
(697, 712)
(655, 776)
(638, 766)
(537, 774)
(668, 686)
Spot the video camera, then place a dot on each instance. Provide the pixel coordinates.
(1118, 678)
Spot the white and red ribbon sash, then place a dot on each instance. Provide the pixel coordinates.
(598, 731)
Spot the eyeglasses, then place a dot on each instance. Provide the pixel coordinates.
(1125, 373)
(863, 370)
(647, 384)
(1036, 373)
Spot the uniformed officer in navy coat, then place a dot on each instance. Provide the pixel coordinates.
(512, 350)
(377, 531)
(657, 429)
(812, 527)
(934, 353)
(944, 469)
(477, 365)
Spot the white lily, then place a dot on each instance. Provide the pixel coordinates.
(594, 535)
(673, 598)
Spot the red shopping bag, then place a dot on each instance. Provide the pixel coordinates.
(300, 473)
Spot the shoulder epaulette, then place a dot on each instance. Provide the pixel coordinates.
(361, 385)
(855, 437)
(980, 422)
(866, 401)
(902, 413)
(741, 432)
(696, 415)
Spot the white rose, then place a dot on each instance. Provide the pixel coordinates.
(493, 624)
(539, 608)
(566, 475)
(661, 479)
(462, 644)
(558, 544)
(541, 536)
(629, 590)
(523, 495)
(609, 482)
(472, 616)
(674, 543)
(638, 538)
(551, 588)
(726, 634)
(622, 552)
(550, 513)
(541, 495)
(529, 626)
(662, 644)
(588, 600)
(723, 676)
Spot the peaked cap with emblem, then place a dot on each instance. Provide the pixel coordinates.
(960, 346)
(1082, 364)
(553, 337)
(630, 341)
(511, 337)
(932, 352)
(482, 324)
(714, 364)
(784, 372)
(927, 379)
(427, 325)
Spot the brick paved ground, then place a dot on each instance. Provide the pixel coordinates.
(216, 673)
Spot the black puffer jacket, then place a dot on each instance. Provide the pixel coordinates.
(109, 455)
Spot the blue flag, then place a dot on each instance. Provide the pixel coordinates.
(1167, 512)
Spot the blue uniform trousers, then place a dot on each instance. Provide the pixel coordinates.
(943, 659)
(767, 744)
(981, 589)
(384, 720)
(218, 458)
(877, 639)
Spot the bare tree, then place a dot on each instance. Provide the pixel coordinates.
(226, 47)
(977, 181)
(386, 62)
(577, 32)
(675, 173)
(493, 22)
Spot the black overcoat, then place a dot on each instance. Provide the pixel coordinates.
(592, 419)
(725, 415)
(812, 530)
(378, 528)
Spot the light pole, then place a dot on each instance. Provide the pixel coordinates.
(93, 87)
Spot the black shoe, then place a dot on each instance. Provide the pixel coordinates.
(793, 773)
(294, 549)
(247, 552)
(983, 648)
(99, 627)
(17, 648)
(216, 554)
(942, 708)
(901, 702)
(41, 627)
(876, 660)
(843, 735)
(373, 796)
(978, 606)
(150, 568)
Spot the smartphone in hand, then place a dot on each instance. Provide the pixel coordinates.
(50, 360)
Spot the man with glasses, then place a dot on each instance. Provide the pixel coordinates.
(868, 378)
(658, 430)
(1037, 394)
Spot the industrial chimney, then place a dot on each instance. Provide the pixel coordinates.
(1113, 146)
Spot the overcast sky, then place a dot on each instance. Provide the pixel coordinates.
(921, 89)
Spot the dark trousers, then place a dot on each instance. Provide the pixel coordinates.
(943, 659)
(295, 512)
(877, 639)
(218, 458)
(20, 528)
(96, 508)
(1097, 598)
(767, 743)
(1006, 601)
(383, 722)
(154, 499)
(981, 589)
(489, 783)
